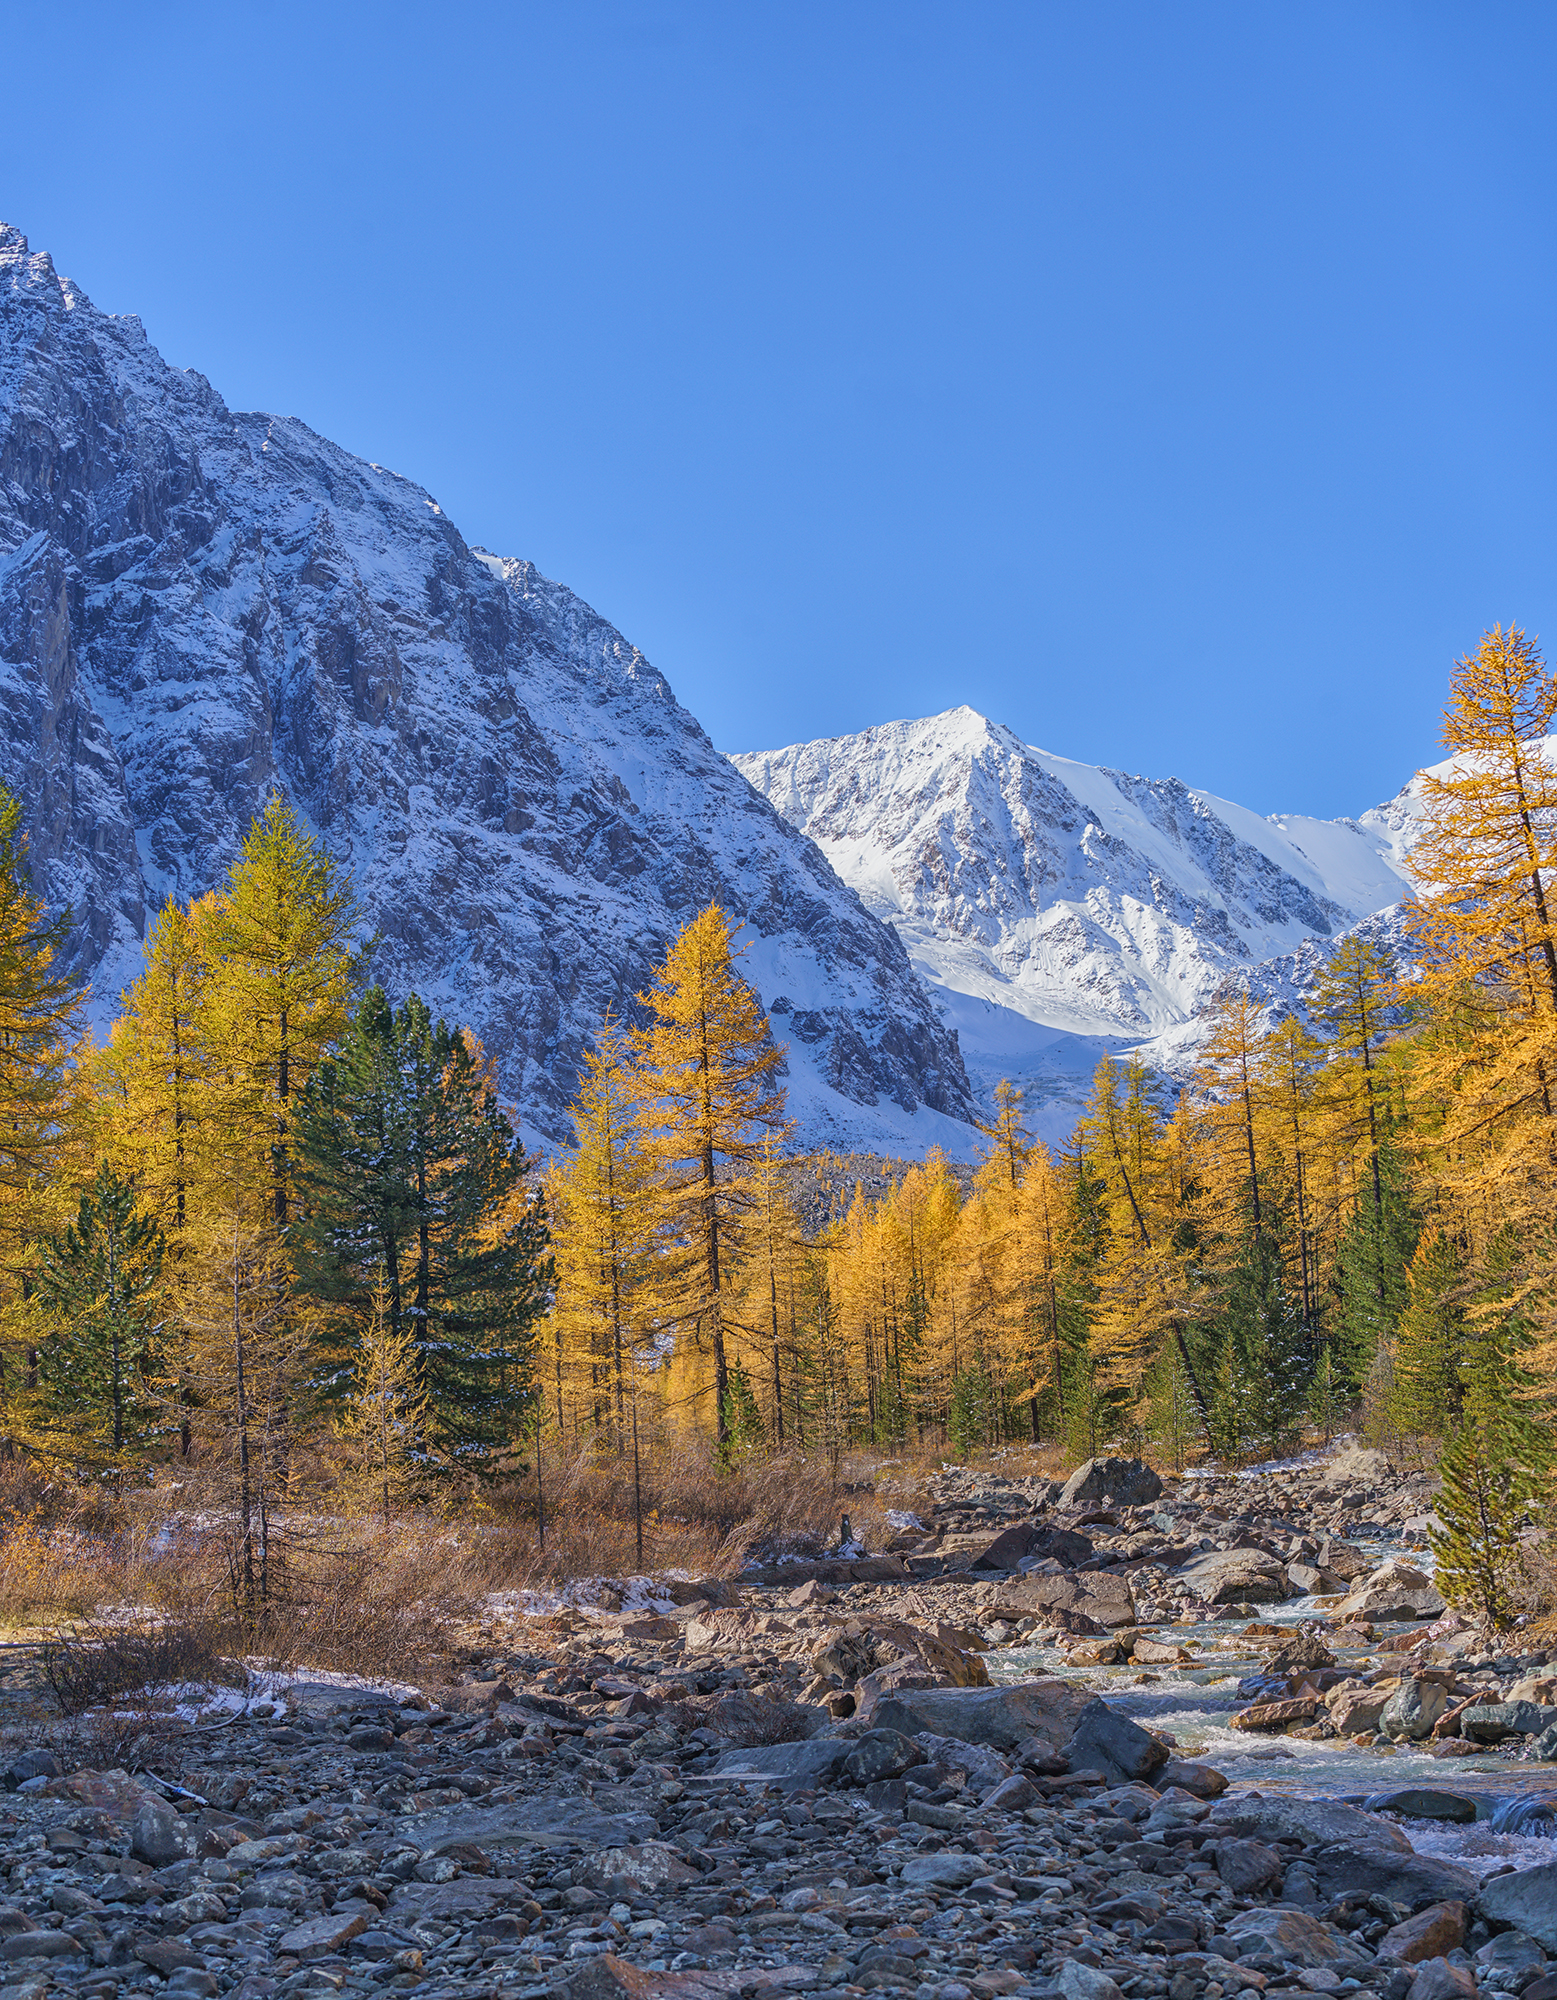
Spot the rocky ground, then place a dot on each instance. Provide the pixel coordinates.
(811, 1779)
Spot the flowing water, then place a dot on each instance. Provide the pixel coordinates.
(1194, 1704)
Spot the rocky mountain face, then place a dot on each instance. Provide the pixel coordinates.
(198, 605)
(1057, 909)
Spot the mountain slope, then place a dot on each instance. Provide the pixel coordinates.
(197, 605)
(1057, 909)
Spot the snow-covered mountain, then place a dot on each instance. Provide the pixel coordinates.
(197, 605)
(1057, 909)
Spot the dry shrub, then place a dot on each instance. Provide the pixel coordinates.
(95, 1665)
(52, 1572)
(697, 1515)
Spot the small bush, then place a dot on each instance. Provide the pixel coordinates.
(96, 1665)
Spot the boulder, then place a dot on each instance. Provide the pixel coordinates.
(540, 1822)
(1431, 1933)
(790, 1766)
(1127, 1480)
(1294, 1936)
(1396, 1589)
(1101, 1595)
(1496, 1721)
(1313, 1822)
(1526, 1901)
(1380, 1869)
(651, 1864)
(1248, 1866)
(1419, 1802)
(1409, 1714)
(1438, 1979)
(1356, 1711)
(1027, 1541)
(1237, 1576)
(1002, 1717)
(1357, 1466)
(881, 1753)
(943, 1871)
(1108, 1742)
(1202, 1781)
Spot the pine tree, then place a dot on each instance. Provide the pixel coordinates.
(98, 1286)
(412, 1176)
(1372, 1259)
(709, 1068)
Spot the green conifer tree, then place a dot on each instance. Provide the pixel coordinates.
(98, 1292)
(411, 1173)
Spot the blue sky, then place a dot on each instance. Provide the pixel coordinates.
(1174, 383)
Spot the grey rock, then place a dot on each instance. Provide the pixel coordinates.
(322, 1935)
(1237, 1576)
(817, 1761)
(39, 1944)
(1397, 1589)
(1494, 1722)
(31, 1764)
(651, 1864)
(1127, 1480)
(1111, 1743)
(1441, 1979)
(1512, 1951)
(1001, 1717)
(157, 1834)
(1526, 1901)
(1314, 1822)
(1293, 1935)
(1247, 1866)
(1379, 1870)
(942, 1871)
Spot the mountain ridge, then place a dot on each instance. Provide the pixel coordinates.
(1060, 910)
(198, 604)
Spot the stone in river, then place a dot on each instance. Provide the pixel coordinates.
(1397, 1589)
(1204, 1781)
(1525, 1902)
(1111, 1743)
(1409, 1714)
(1237, 1576)
(1418, 1802)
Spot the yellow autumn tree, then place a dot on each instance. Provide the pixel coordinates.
(605, 1221)
(709, 1095)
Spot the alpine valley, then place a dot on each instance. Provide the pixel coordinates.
(199, 605)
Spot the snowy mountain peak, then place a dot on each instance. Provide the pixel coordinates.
(199, 605)
(1056, 908)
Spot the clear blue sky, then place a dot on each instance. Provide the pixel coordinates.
(1173, 382)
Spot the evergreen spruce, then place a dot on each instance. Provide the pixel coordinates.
(99, 1294)
(411, 1175)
